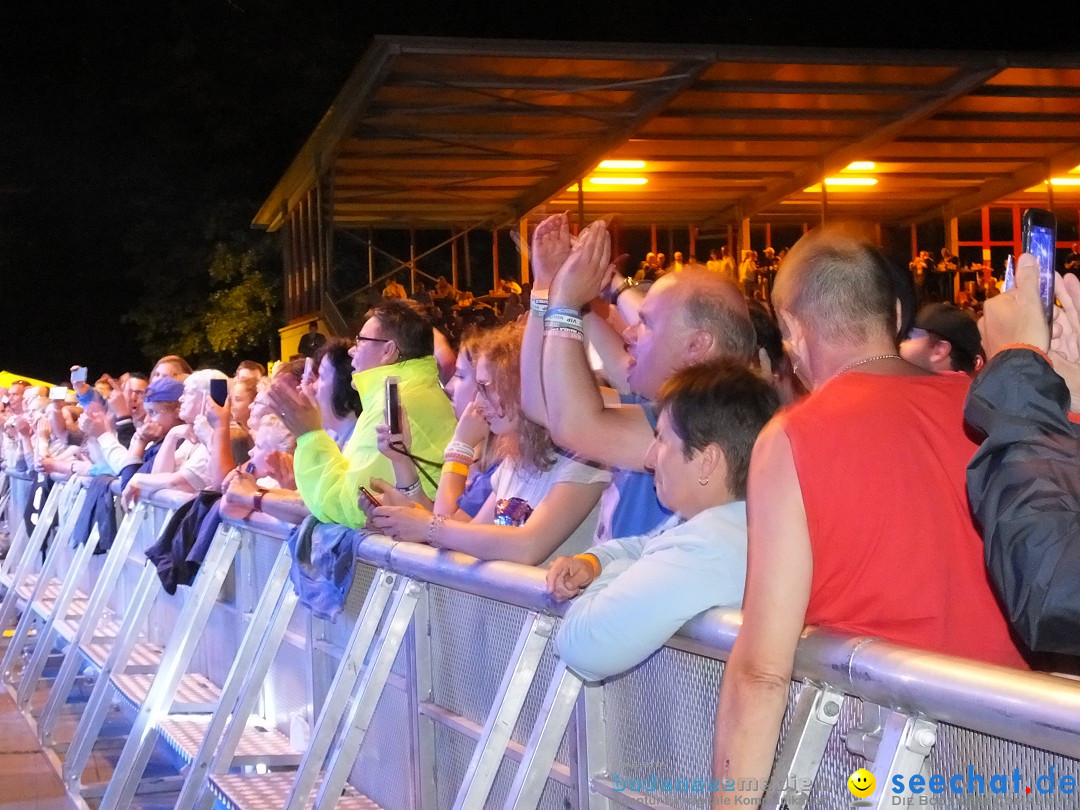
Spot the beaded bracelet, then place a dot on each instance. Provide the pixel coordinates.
(459, 449)
(433, 529)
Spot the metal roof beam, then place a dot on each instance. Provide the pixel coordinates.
(682, 76)
(946, 92)
(1030, 175)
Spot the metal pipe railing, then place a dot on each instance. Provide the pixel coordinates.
(1033, 709)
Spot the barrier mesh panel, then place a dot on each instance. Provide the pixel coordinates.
(958, 749)
(471, 643)
(384, 768)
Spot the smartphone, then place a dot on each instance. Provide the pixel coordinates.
(219, 391)
(367, 501)
(78, 374)
(393, 405)
(58, 393)
(1039, 229)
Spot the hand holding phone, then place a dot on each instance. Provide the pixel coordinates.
(78, 374)
(1039, 237)
(368, 502)
(219, 391)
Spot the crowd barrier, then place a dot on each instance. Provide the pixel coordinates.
(442, 672)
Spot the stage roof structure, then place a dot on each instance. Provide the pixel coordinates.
(464, 133)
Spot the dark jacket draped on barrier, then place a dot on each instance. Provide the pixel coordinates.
(322, 567)
(181, 547)
(99, 510)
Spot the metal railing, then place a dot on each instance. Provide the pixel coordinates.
(479, 712)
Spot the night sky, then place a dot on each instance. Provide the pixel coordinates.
(126, 127)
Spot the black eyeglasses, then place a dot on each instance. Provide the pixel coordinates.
(360, 338)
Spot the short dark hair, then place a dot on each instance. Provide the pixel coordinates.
(720, 402)
(406, 323)
(344, 398)
(137, 375)
(313, 323)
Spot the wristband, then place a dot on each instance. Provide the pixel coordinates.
(457, 448)
(433, 530)
(591, 561)
(256, 502)
(411, 491)
(456, 467)
(538, 307)
(563, 332)
(554, 318)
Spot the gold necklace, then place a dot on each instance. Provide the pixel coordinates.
(864, 361)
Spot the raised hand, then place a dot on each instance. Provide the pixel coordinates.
(550, 248)
(473, 426)
(299, 413)
(581, 278)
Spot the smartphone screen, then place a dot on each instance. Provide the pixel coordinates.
(219, 391)
(393, 405)
(78, 374)
(1040, 240)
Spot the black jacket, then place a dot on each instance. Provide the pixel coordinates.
(1024, 489)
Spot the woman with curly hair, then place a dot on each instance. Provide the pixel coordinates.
(543, 501)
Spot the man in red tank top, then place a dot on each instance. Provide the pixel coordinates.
(857, 513)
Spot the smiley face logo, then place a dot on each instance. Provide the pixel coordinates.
(861, 783)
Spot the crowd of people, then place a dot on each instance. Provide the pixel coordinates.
(662, 442)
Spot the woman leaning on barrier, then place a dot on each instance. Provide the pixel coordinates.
(542, 498)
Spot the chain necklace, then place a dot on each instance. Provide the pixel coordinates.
(864, 361)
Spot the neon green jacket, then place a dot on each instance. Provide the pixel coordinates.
(329, 479)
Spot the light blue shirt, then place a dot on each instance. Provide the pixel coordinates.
(650, 586)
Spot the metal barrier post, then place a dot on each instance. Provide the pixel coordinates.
(588, 749)
(84, 633)
(45, 576)
(257, 650)
(43, 645)
(504, 713)
(189, 626)
(422, 693)
(363, 703)
(532, 773)
(813, 720)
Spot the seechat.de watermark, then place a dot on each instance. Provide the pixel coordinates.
(970, 789)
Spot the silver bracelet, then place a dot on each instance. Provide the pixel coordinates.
(433, 530)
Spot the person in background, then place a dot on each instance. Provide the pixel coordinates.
(944, 338)
(250, 371)
(396, 340)
(311, 340)
(639, 590)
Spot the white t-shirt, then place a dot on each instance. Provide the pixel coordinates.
(508, 482)
(193, 462)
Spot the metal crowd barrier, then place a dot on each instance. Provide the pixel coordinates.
(452, 696)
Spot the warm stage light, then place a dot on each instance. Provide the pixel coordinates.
(840, 183)
(616, 165)
(860, 166)
(1065, 181)
(618, 181)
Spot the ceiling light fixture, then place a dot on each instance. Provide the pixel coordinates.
(616, 165)
(618, 181)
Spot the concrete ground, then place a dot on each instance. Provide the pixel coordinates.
(27, 781)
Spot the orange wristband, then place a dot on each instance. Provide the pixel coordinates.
(592, 561)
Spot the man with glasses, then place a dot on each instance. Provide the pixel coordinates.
(395, 341)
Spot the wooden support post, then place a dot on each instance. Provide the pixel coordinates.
(693, 243)
(824, 202)
(453, 260)
(581, 203)
(744, 238)
(768, 234)
(370, 256)
(494, 261)
(914, 240)
(523, 229)
(652, 243)
(731, 241)
(412, 261)
(985, 228)
(468, 260)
